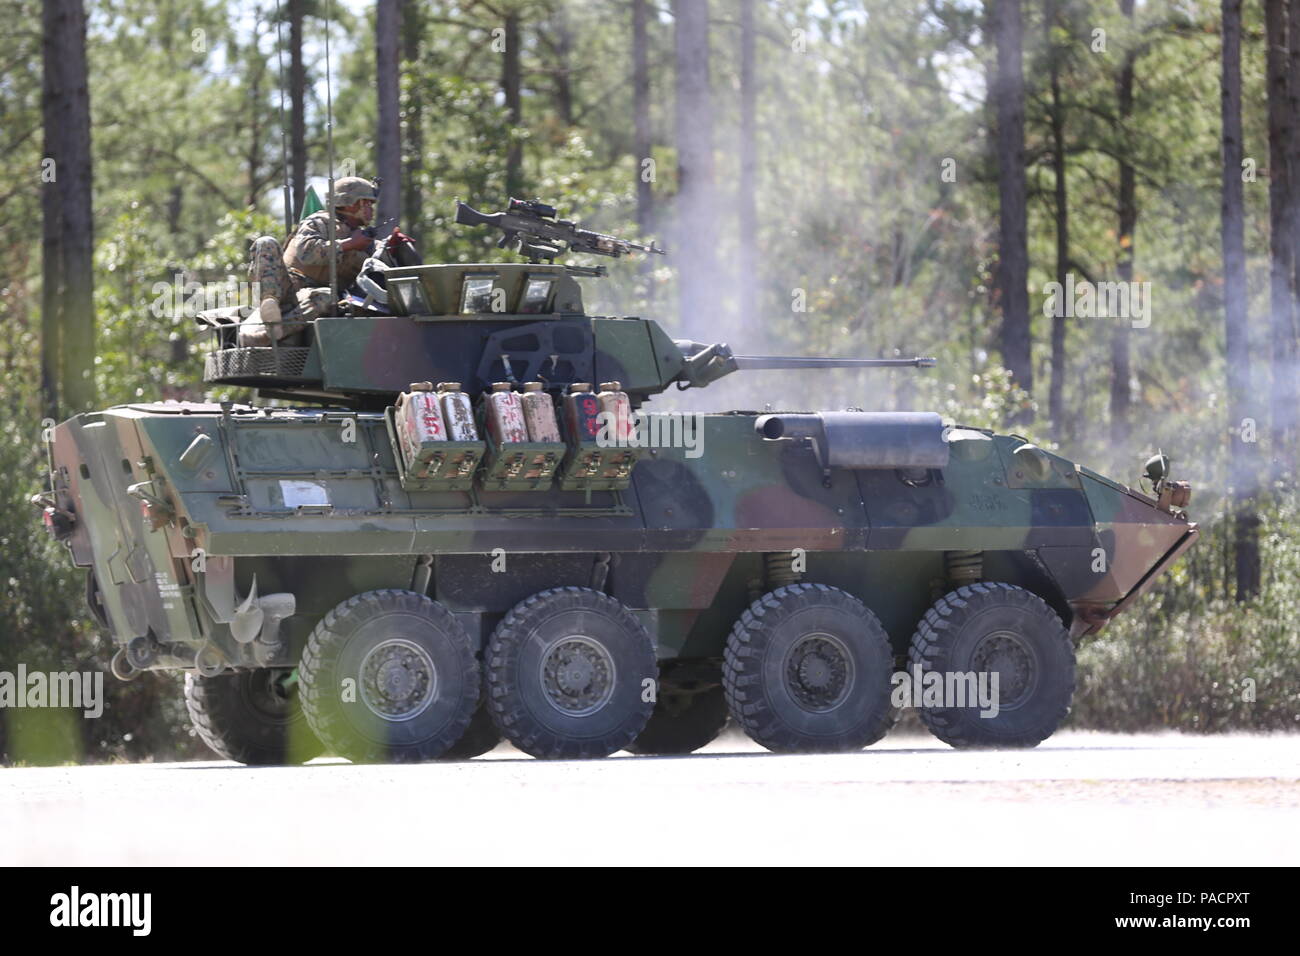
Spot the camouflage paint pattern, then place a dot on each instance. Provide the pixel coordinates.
(284, 492)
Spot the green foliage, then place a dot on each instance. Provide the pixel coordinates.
(991, 400)
(865, 250)
(147, 335)
(1188, 657)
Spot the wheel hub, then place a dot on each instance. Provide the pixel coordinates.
(819, 672)
(1005, 653)
(398, 680)
(267, 692)
(578, 676)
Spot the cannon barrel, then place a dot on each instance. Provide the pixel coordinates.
(704, 364)
(790, 361)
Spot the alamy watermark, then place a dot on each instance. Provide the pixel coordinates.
(129, 910)
(652, 430)
(180, 299)
(78, 690)
(1099, 300)
(917, 688)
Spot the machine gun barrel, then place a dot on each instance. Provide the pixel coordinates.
(530, 228)
(783, 361)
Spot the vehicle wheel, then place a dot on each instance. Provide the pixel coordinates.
(807, 669)
(479, 737)
(389, 676)
(253, 717)
(1003, 629)
(568, 670)
(688, 715)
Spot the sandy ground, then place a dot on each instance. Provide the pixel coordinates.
(1079, 799)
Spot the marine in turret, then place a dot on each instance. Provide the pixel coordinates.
(294, 284)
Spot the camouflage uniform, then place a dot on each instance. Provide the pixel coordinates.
(307, 260)
(266, 271)
(298, 279)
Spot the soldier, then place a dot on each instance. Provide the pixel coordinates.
(295, 285)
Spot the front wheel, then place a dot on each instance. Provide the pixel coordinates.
(251, 717)
(994, 635)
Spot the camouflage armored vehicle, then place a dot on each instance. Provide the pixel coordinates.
(324, 590)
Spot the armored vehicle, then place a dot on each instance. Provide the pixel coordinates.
(329, 583)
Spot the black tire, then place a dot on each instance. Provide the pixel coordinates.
(996, 627)
(594, 709)
(479, 737)
(685, 718)
(389, 676)
(807, 670)
(251, 717)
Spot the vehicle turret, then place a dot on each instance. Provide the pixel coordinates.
(479, 323)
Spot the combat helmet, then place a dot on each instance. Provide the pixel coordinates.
(351, 189)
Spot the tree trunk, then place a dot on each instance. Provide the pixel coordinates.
(175, 202)
(748, 187)
(563, 64)
(1008, 91)
(388, 135)
(1281, 336)
(51, 215)
(643, 146)
(297, 107)
(1121, 371)
(1056, 122)
(1290, 400)
(68, 306)
(511, 86)
(696, 204)
(1243, 457)
(1293, 106)
(413, 173)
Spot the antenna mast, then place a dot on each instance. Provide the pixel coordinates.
(329, 156)
(284, 146)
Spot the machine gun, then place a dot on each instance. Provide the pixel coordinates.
(531, 229)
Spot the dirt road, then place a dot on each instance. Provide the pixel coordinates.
(1080, 799)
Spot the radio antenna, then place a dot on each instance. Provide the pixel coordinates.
(284, 144)
(329, 156)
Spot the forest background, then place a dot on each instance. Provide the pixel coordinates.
(840, 177)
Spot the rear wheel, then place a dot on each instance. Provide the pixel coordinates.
(807, 669)
(479, 737)
(253, 717)
(570, 674)
(689, 712)
(992, 629)
(389, 676)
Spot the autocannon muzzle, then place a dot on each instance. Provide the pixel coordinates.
(864, 439)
